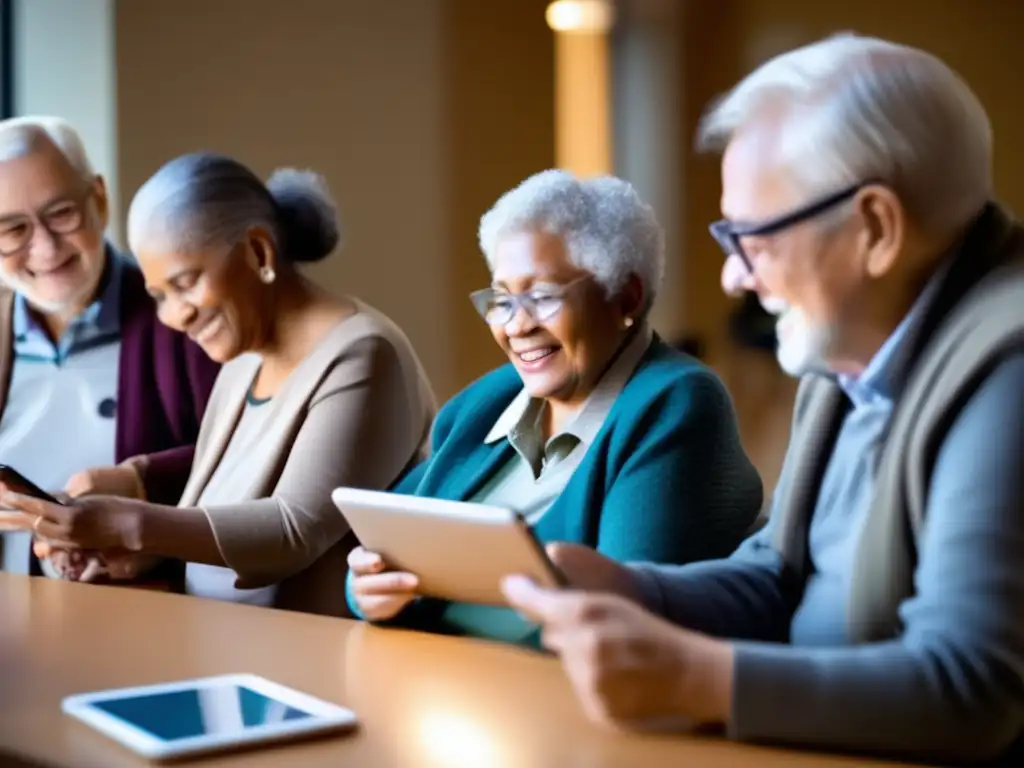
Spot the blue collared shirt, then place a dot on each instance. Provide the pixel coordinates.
(848, 485)
(59, 417)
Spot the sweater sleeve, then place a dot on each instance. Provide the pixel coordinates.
(951, 687)
(749, 595)
(686, 490)
(362, 429)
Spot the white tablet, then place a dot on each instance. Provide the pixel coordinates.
(192, 717)
(458, 550)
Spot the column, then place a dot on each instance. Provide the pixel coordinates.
(650, 141)
(583, 140)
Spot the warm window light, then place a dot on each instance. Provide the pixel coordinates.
(580, 15)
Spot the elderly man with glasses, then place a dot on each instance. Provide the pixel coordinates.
(597, 432)
(882, 607)
(96, 396)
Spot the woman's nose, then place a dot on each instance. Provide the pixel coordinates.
(188, 313)
(176, 313)
(522, 322)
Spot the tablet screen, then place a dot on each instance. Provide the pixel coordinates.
(221, 709)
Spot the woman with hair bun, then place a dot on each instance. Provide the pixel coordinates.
(316, 391)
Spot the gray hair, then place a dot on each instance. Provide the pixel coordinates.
(607, 229)
(858, 109)
(22, 136)
(203, 199)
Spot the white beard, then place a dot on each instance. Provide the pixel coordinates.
(803, 346)
(51, 307)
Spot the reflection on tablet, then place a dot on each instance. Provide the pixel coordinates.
(220, 710)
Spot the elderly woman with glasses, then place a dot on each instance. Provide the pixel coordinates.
(596, 431)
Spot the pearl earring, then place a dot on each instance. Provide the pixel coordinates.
(267, 274)
(628, 322)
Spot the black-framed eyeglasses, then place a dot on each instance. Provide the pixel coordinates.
(60, 218)
(728, 234)
(498, 307)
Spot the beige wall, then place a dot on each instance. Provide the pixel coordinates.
(418, 112)
(500, 128)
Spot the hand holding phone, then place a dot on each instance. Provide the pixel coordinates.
(15, 482)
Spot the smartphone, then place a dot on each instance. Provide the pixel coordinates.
(18, 483)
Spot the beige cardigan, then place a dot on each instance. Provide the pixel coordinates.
(357, 411)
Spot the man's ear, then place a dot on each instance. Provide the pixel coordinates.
(102, 197)
(884, 233)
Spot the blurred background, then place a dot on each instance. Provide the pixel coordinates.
(420, 113)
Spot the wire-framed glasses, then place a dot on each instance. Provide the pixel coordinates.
(498, 307)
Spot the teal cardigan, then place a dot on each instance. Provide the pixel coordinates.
(666, 479)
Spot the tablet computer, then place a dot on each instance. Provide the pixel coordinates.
(170, 721)
(458, 550)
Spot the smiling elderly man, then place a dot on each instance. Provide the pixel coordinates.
(88, 377)
(882, 607)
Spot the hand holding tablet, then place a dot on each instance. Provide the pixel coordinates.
(380, 594)
(453, 550)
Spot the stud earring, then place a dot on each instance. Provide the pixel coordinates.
(267, 274)
(628, 322)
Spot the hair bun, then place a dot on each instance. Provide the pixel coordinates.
(309, 217)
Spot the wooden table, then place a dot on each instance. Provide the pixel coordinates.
(422, 700)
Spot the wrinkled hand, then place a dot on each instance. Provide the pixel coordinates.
(95, 522)
(89, 565)
(380, 594)
(13, 519)
(122, 480)
(629, 668)
(69, 564)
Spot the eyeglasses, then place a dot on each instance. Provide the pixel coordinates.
(729, 234)
(499, 307)
(61, 218)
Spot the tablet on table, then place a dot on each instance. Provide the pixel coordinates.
(192, 717)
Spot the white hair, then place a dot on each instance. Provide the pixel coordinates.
(857, 109)
(25, 136)
(21, 136)
(607, 229)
